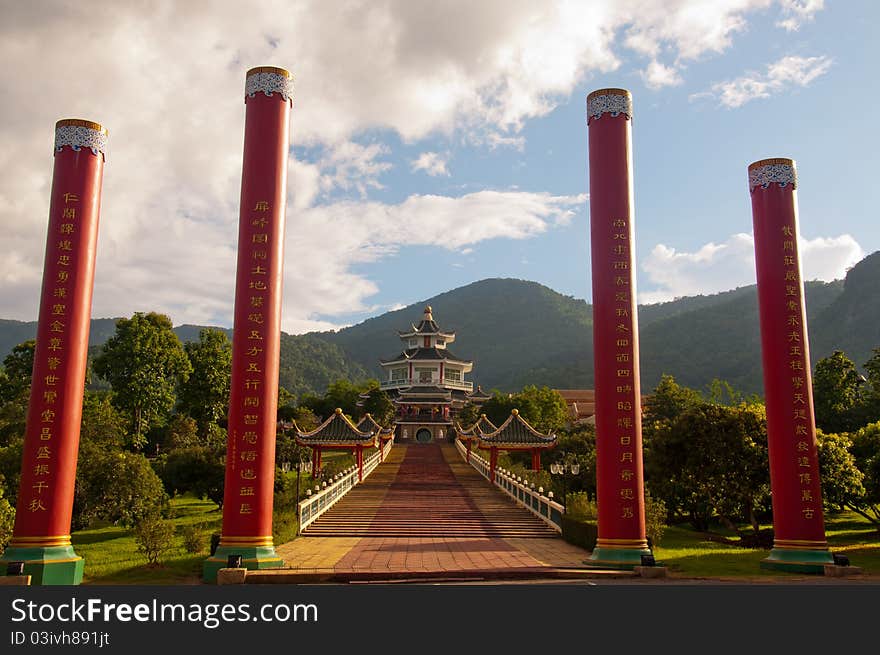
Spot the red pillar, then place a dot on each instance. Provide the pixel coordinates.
(41, 536)
(536, 460)
(468, 443)
(253, 399)
(798, 524)
(620, 495)
(493, 463)
(360, 462)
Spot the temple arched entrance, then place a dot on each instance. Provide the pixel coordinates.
(424, 435)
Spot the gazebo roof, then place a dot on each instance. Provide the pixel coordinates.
(426, 354)
(515, 433)
(483, 424)
(427, 326)
(337, 430)
(369, 423)
(479, 394)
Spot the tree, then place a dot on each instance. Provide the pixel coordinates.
(871, 410)
(711, 462)
(181, 432)
(205, 394)
(866, 451)
(669, 401)
(198, 470)
(120, 487)
(377, 404)
(144, 362)
(836, 391)
(841, 479)
(7, 520)
(102, 424)
(17, 368)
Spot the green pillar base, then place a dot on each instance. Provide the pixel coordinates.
(252, 558)
(47, 565)
(617, 558)
(797, 561)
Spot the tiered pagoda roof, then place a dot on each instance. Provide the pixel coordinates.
(478, 395)
(337, 430)
(427, 326)
(482, 425)
(422, 354)
(515, 433)
(423, 394)
(368, 423)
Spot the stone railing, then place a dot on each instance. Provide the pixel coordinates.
(534, 500)
(320, 500)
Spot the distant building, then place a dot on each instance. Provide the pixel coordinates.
(582, 405)
(427, 383)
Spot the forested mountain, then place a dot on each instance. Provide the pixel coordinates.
(519, 332)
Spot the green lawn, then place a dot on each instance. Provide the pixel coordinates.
(688, 554)
(111, 555)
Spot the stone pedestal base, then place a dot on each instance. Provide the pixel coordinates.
(231, 576)
(798, 561)
(47, 565)
(835, 571)
(616, 558)
(650, 571)
(252, 558)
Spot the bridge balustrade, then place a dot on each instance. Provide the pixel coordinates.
(537, 503)
(312, 507)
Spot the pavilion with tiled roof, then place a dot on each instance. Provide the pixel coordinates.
(515, 434)
(338, 433)
(384, 435)
(470, 435)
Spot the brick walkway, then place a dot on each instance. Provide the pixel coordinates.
(425, 514)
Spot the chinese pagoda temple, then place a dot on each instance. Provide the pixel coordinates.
(426, 383)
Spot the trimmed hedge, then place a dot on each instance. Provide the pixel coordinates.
(580, 533)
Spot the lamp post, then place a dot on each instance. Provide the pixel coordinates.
(567, 464)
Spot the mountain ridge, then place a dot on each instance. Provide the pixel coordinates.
(521, 332)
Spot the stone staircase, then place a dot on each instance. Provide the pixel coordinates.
(427, 491)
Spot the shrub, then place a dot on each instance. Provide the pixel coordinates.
(579, 506)
(153, 537)
(193, 539)
(7, 520)
(655, 518)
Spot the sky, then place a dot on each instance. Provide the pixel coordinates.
(434, 144)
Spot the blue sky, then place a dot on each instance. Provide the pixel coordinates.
(437, 144)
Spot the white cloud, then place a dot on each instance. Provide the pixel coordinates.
(656, 75)
(781, 75)
(332, 242)
(432, 163)
(797, 12)
(720, 267)
(350, 165)
(167, 79)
